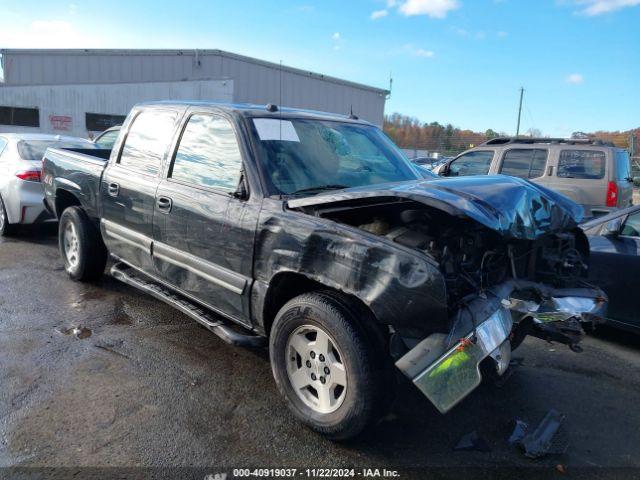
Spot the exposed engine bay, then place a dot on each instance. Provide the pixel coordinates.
(472, 257)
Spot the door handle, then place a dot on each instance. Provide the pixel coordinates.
(114, 189)
(164, 204)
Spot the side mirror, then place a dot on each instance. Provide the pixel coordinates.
(612, 227)
(443, 170)
(242, 192)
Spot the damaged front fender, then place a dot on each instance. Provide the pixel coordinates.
(446, 367)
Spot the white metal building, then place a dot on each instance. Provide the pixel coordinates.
(81, 91)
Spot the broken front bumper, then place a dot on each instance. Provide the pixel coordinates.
(446, 367)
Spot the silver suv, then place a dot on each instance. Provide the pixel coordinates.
(593, 174)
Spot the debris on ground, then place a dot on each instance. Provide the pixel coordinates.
(519, 431)
(78, 332)
(540, 442)
(472, 442)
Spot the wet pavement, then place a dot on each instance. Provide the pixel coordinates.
(101, 375)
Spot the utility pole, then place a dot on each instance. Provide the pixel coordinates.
(520, 111)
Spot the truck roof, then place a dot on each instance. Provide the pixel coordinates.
(253, 110)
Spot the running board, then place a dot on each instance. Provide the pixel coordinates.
(126, 274)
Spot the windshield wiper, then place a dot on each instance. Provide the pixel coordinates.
(319, 189)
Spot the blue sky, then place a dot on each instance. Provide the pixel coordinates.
(452, 61)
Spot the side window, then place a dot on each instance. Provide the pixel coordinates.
(581, 164)
(147, 141)
(472, 163)
(208, 154)
(524, 163)
(631, 226)
(623, 165)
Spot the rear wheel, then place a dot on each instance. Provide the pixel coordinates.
(6, 228)
(81, 246)
(326, 366)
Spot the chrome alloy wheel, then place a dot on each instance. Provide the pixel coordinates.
(71, 245)
(315, 369)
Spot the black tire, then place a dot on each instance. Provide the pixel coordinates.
(365, 361)
(6, 229)
(91, 253)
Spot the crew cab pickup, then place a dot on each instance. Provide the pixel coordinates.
(312, 233)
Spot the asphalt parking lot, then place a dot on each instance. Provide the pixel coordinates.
(142, 385)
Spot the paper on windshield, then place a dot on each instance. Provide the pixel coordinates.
(275, 129)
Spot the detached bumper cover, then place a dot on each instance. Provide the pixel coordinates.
(455, 373)
(446, 367)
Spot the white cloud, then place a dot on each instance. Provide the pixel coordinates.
(431, 8)
(392, 3)
(502, 34)
(47, 34)
(378, 14)
(575, 79)
(73, 8)
(598, 7)
(337, 41)
(421, 52)
(410, 49)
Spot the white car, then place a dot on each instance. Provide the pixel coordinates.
(21, 193)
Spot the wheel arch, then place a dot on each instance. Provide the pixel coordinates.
(285, 286)
(65, 199)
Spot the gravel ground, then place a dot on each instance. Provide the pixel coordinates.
(146, 386)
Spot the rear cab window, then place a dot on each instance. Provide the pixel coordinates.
(477, 162)
(147, 141)
(524, 162)
(586, 164)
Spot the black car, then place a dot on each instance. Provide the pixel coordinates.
(615, 263)
(312, 233)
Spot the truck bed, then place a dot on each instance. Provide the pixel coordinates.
(76, 171)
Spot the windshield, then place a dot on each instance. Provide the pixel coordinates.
(34, 149)
(300, 156)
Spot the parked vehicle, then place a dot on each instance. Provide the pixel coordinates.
(21, 193)
(430, 163)
(107, 138)
(593, 174)
(615, 264)
(312, 232)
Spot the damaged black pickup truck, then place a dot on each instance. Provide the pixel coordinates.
(312, 233)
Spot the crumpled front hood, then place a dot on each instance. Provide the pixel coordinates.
(513, 207)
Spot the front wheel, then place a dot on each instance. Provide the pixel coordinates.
(81, 246)
(326, 366)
